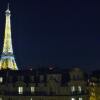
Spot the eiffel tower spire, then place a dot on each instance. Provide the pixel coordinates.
(7, 57)
(8, 5)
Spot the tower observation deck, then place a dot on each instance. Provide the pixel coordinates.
(7, 58)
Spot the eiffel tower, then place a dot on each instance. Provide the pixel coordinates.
(7, 58)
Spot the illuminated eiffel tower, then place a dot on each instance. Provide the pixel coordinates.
(7, 58)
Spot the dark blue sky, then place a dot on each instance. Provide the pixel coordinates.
(61, 32)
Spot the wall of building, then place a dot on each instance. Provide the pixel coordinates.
(49, 85)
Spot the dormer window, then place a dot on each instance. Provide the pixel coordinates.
(72, 98)
(1, 79)
(73, 89)
(31, 99)
(79, 88)
(32, 89)
(0, 98)
(80, 99)
(20, 90)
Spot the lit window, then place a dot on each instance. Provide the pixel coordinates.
(79, 88)
(31, 99)
(1, 79)
(20, 90)
(32, 89)
(72, 98)
(80, 99)
(92, 93)
(73, 88)
(0, 98)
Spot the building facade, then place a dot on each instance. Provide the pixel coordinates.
(94, 86)
(43, 84)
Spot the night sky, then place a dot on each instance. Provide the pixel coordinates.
(65, 33)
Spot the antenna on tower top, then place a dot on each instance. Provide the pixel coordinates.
(7, 11)
(8, 6)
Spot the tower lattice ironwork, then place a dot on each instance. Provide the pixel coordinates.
(7, 58)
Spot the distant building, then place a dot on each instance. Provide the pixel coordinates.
(94, 86)
(43, 84)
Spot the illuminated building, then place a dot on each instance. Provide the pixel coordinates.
(7, 57)
(94, 86)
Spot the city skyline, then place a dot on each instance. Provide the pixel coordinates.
(62, 33)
